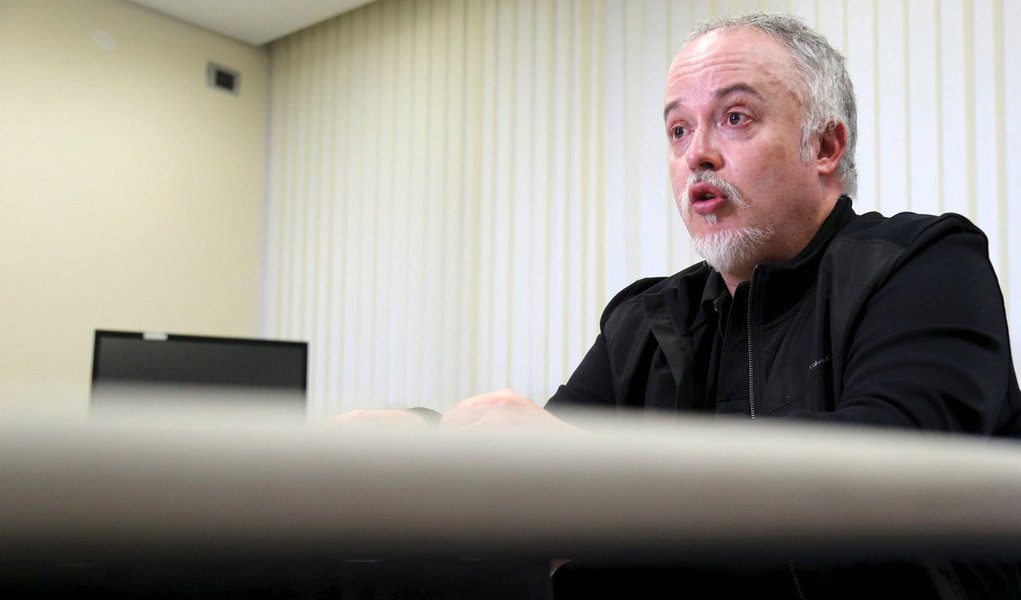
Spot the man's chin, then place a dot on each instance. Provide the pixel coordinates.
(729, 250)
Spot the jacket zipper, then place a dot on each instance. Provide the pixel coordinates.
(797, 582)
(748, 330)
(751, 400)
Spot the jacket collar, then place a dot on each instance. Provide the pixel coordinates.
(679, 313)
(779, 286)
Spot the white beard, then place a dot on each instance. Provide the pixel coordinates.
(732, 249)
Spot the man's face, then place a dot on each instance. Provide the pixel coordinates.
(733, 118)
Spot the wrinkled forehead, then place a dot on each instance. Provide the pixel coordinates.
(721, 55)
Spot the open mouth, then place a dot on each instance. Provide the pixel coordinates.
(706, 198)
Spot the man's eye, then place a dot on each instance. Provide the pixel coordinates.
(735, 118)
(677, 132)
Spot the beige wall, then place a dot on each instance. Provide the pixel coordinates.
(131, 194)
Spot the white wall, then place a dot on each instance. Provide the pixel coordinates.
(131, 195)
(457, 187)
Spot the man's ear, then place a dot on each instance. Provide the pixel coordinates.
(832, 143)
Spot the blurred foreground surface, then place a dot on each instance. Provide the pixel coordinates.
(218, 505)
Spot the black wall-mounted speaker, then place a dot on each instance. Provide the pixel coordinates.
(218, 76)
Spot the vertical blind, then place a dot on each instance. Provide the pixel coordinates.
(457, 187)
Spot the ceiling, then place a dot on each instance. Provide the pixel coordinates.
(255, 22)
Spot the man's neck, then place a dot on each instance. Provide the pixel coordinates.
(737, 276)
(732, 280)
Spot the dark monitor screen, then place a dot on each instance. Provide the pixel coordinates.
(133, 369)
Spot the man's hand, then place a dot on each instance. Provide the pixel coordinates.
(502, 408)
(380, 417)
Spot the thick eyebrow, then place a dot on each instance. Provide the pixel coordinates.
(721, 93)
(737, 88)
(669, 107)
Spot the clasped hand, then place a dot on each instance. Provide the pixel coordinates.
(501, 408)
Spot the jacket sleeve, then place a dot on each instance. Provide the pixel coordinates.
(590, 385)
(594, 382)
(930, 349)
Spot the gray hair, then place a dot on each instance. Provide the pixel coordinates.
(828, 94)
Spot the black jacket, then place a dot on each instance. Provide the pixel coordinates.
(893, 321)
(888, 321)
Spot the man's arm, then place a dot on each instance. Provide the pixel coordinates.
(931, 349)
(591, 383)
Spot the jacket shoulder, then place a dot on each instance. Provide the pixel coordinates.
(872, 246)
(629, 301)
(906, 228)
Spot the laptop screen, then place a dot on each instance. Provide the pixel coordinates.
(134, 369)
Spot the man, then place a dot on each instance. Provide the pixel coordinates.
(802, 309)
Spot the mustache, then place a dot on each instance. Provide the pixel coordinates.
(715, 180)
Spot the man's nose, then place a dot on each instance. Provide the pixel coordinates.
(703, 153)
